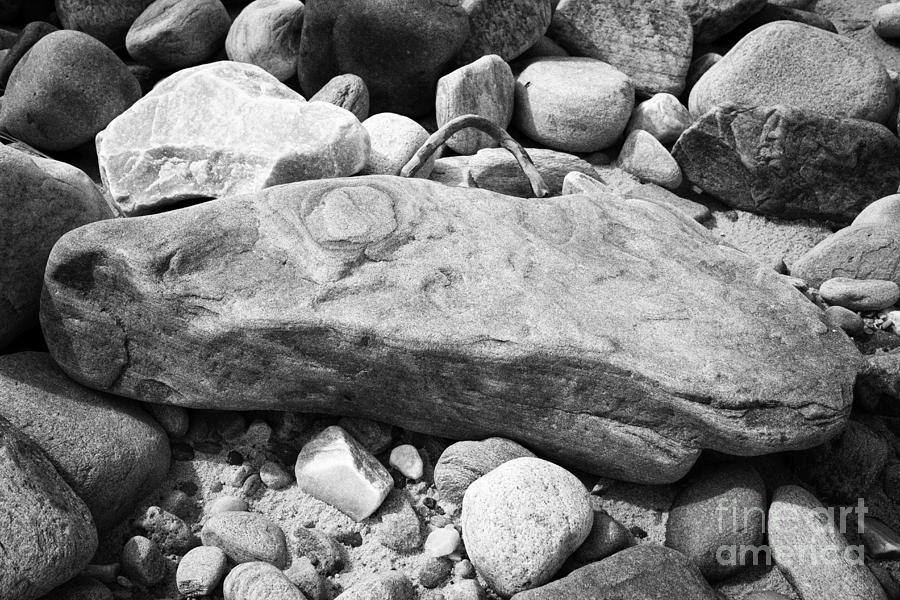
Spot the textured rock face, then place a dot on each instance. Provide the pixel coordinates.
(65, 89)
(40, 199)
(109, 451)
(47, 532)
(647, 572)
(381, 297)
(786, 162)
(868, 251)
(398, 47)
(106, 20)
(711, 19)
(503, 27)
(649, 41)
(267, 34)
(220, 129)
(798, 65)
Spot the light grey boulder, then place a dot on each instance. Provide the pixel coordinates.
(219, 129)
(267, 34)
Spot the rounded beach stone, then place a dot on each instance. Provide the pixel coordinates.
(274, 476)
(442, 542)
(47, 531)
(506, 28)
(347, 91)
(406, 459)
(583, 118)
(259, 581)
(110, 452)
(860, 294)
(175, 420)
(227, 504)
(29, 36)
(844, 318)
(663, 116)
(398, 47)
(886, 20)
(142, 561)
(174, 34)
(806, 542)
(513, 553)
(884, 211)
(65, 90)
(200, 571)
(434, 571)
(721, 510)
(105, 20)
(643, 156)
(801, 66)
(464, 462)
(607, 537)
(304, 575)
(485, 87)
(394, 140)
(267, 34)
(246, 537)
(712, 20)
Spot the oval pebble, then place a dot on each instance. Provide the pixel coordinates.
(227, 504)
(200, 571)
(839, 317)
(274, 476)
(267, 34)
(886, 20)
(442, 542)
(407, 460)
(259, 581)
(246, 537)
(860, 294)
(174, 34)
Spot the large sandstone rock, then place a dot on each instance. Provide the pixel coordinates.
(644, 572)
(110, 452)
(458, 312)
(47, 533)
(399, 47)
(220, 129)
(786, 162)
(798, 65)
(650, 41)
(40, 199)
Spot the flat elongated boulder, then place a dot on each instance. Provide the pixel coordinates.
(220, 129)
(787, 162)
(110, 452)
(589, 330)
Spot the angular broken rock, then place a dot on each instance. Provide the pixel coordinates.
(220, 129)
(459, 312)
(336, 469)
(650, 41)
(787, 162)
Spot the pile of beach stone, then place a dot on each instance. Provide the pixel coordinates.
(449, 299)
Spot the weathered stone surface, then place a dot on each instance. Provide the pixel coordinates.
(110, 452)
(393, 140)
(720, 511)
(398, 47)
(868, 251)
(347, 91)
(29, 36)
(350, 292)
(663, 116)
(336, 469)
(807, 544)
(64, 90)
(200, 571)
(801, 66)
(40, 199)
(649, 41)
(47, 532)
(174, 34)
(786, 162)
(506, 28)
(513, 553)
(246, 537)
(496, 169)
(711, 19)
(485, 87)
(860, 294)
(106, 20)
(220, 129)
(267, 34)
(464, 462)
(647, 572)
(258, 580)
(586, 117)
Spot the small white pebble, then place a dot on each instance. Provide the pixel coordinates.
(406, 459)
(274, 476)
(442, 542)
(227, 504)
